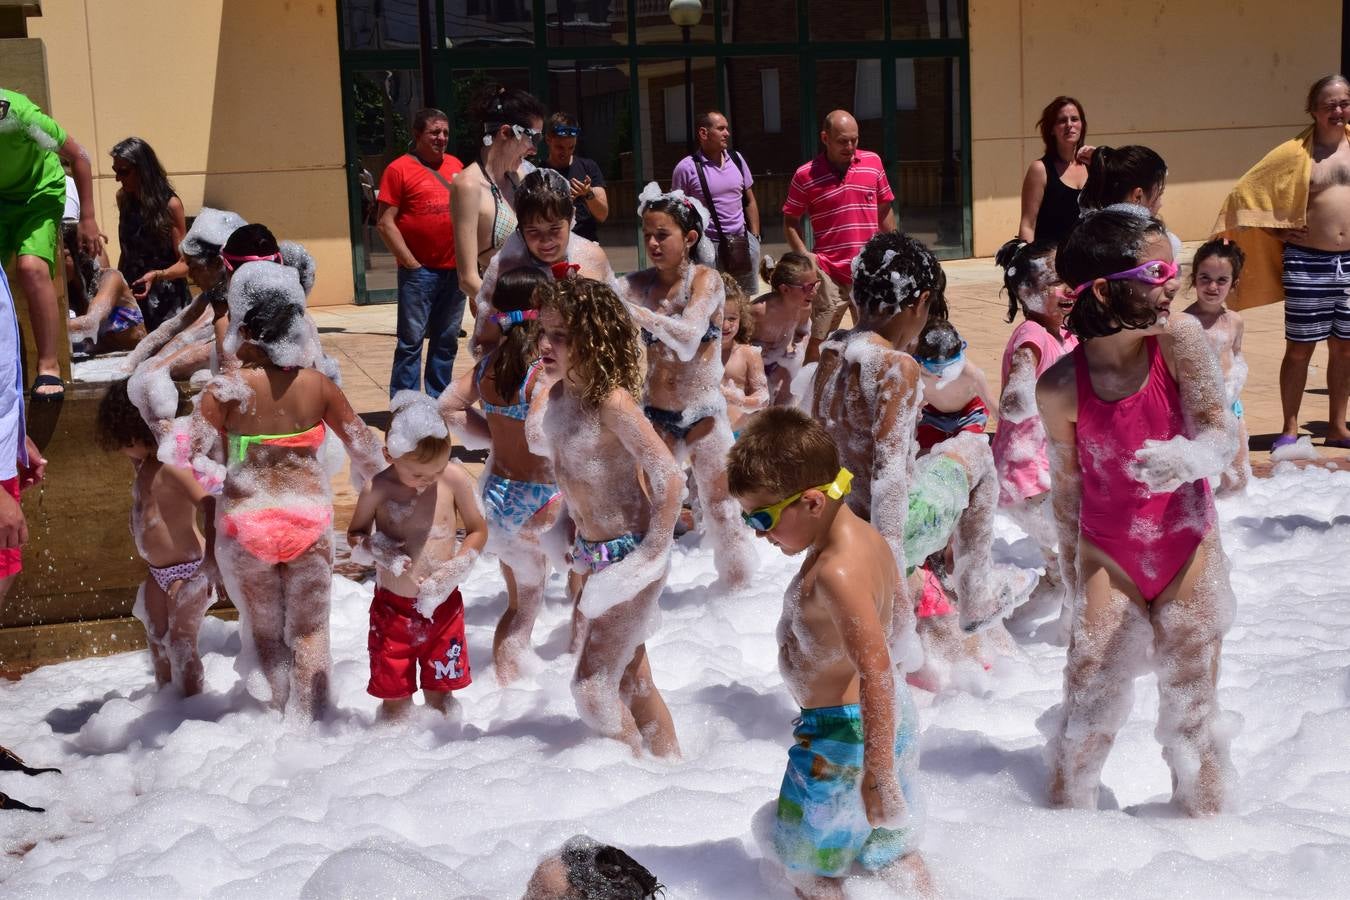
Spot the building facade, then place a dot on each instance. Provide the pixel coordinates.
(282, 109)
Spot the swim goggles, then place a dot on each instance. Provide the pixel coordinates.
(1155, 271)
(766, 517)
(566, 130)
(231, 262)
(938, 366)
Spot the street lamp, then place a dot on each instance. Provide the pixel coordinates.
(687, 14)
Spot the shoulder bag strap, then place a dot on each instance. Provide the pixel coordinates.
(437, 175)
(745, 188)
(712, 204)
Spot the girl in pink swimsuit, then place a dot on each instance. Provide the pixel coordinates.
(1036, 344)
(274, 536)
(1136, 423)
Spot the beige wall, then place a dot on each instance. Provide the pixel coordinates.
(1210, 84)
(240, 98)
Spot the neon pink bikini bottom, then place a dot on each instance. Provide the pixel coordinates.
(278, 534)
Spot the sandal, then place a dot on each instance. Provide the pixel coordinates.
(1284, 440)
(10, 762)
(6, 802)
(1338, 443)
(43, 381)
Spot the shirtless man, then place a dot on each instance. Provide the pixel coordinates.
(867, 393)
(1317, 268)
(849, 793)
(406, 520)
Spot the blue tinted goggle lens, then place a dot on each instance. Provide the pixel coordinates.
(566, 130)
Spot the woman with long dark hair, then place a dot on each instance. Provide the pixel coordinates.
(1052, 183)
(151, 225)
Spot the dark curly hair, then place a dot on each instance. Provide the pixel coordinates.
(603, 341)
(1115, 172)
(603, 872)
(515, 292)
(271, 319)
(1099, 245)
(543, 195)
(1022, 262)
(118, 422)
(1221, 248)
(891, 272)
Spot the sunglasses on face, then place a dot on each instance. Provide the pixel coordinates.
(566, 130)
(766, 517)
(529, 134)
(808, 286)
(1155, 271)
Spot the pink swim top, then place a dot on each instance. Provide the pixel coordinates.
(1019, 447)
(1150, 536)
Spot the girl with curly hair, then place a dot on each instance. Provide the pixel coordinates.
(623, 493)
(678, 303)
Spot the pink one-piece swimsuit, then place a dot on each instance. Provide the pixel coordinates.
(1149, 535)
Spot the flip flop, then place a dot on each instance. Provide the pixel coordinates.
(1284, 440)
(1338, 443)
(10, 762)
(47, 381)
(6, 802)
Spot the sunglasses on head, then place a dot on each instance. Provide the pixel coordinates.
(766, 517)
(1155, 271)
(566, 130)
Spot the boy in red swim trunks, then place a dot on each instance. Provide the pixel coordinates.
(405, 521)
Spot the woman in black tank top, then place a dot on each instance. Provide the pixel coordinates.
(1049, 194)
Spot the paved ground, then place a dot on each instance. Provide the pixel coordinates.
(362, 339)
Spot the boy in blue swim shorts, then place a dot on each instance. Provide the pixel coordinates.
(849, 795)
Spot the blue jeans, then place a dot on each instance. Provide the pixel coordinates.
(430, 308)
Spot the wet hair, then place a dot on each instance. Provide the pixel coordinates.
(498, 105)
(119, 423)
(1219, 248)
(430, 448)
(737, 300)
(603, 349)
(1021, 261)
(1319, 86)
(270, 320)
(891, 272)
(425, 116)
(1101, 244)
(682, 210)
(155, 188)
(1046, 123)
(251, 240)
(563, 119)
(1115, 172)
(791, 267)
(604, 872)
(543, 196)
(939, 341)
(781, 451)
(209, 232)
(516, 291)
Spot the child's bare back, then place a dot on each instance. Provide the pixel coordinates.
(164, 514)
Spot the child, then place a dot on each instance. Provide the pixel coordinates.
(1214, 272)
(849, 793)
(274, 529)
(1136, 418)
(1034, 287)
(164, 505)
(781, 319)
(743, 381)
(955, 392)
(520, 497)
(866, 394)
(583, 867)
(544, 240)
(623, 492)
(417, 614)
(678, 304)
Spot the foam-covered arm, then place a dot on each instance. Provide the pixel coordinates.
(465, 422)
(170, 328)
(436, 587)
(379, 550)
(536, 434)
(1166, 465)
(756, 394)
(1066, 478)
(363, 447)
(1018, 402)
(683, 332)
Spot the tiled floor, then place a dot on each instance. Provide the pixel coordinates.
(362, 339)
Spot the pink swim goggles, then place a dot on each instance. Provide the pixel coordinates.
(1155, 271)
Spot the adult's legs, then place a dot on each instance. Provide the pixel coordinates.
(416, 292)
(1107, 650)
(1338, 386)
(35, 278)
(444, 321)
(827, 312)
(1293, 378)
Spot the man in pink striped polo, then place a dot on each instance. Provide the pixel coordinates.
(845, 194)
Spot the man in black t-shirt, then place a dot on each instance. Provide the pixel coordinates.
(588, 184)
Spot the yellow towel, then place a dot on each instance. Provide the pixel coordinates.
(1273, 194)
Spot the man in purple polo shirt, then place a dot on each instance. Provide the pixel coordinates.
(845, 194)
(727, 179)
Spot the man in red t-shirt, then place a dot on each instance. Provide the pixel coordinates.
(845, 194)
(414, 220)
